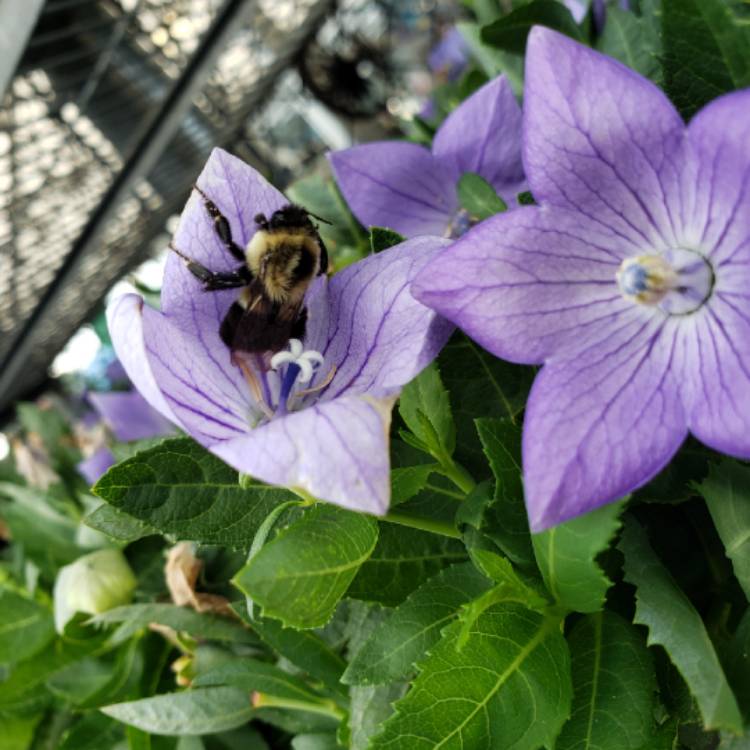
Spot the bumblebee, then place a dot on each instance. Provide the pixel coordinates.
(285, 254)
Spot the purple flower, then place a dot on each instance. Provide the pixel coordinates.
(318, 426)
(630, 280)
(95, 465)
(449, 57)
(129, 415)
(413, 190)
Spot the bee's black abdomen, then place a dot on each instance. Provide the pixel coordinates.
(260, 329)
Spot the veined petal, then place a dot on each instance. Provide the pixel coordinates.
(599, 426)
(366, 323)
(240, 193)
(530, 284)
(483, 135)
(129, 415)
(720, 133)
(337, 451)
(398, 185)
(714, 354)
(601, 139)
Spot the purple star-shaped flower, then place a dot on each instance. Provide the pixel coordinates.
(629, 281)
(449, 57)
(411, 189)
(320, 426)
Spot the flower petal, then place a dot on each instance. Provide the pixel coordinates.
(715, 358)
(198, 387)
(95, 465)
(720, 133)
(240, 193)
(530, 283)
(337, 451)
(366, 323)
(483, 135)
(398, 185)
(129, 415)
(602, 139)
(599, 426)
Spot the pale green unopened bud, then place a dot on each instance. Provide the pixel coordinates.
(92, 584)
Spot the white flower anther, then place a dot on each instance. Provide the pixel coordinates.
(307, 361)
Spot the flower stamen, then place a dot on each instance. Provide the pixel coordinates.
(300, 366)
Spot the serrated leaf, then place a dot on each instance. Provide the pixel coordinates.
(500, 570)
(202, 711)
(613, 686)
(181, 489)
(634, 41)
(504, 520)
(408, 481)
(117, 525)
(738, 664)
(392, 650)
(369, 707)
(300, 576)
(706, 52)
(425, 407)
(567, 558)
(26, 626)
(726, 490)
(510, 32)
(478, 197)
(674, 624)
(134, 617)
(402, 559)
(508, 687)
(381, 238)
(257, 676)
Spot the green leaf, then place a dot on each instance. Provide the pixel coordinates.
(706, 52)
(134, 617)
(738, 664)
(425, 407)
(567, 558)
(381, 238)
(305, 650)
(202, 711)
(408, 481)
(319, 741)
(17, 732)
(478, 197)
(504, 520)
(491, 60)
(369, 707)
(500, 570)
(401, 561)
(674, 624)
(508, 687)
(510, 32)
(613, 686)
(116, 524)
(390, 653)
(634, 41)
(726, 490)
(181, 489)
(525, 199)
(258, 676)
(300, 576)
(93, 731)
(79, 682)
(25, 627)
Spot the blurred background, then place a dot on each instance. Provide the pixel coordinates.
(111, 107)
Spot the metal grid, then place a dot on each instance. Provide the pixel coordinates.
(112, 112)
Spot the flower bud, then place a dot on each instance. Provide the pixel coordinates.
(92, 584)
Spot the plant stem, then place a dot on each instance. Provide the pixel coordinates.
(326, 708)
(424, 524)
(457, 474)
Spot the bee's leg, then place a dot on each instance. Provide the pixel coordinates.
(214, 281)
(221, 225)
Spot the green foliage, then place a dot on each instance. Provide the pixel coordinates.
(634, 41)
(182, 490)
(738, 664)
(382, 238)
(706, 52)
(406, 636)
(300, 576)
(674, 624)
(567, 558)
(202, 711)
(116, 524)
(26, 627)
(402, 560)
(510, 32)
(508, 686)
(613, 686)
(726, 490)
(478, 197)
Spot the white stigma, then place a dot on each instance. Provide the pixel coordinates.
(307, 360)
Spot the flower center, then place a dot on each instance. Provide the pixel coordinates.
(300, 365)
(678, 281)
(461, 223)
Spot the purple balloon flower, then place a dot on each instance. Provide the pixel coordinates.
(314, 418)
(411, 189)
(129, 415)
(95, 465)
(450, 56)
(629, 281)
